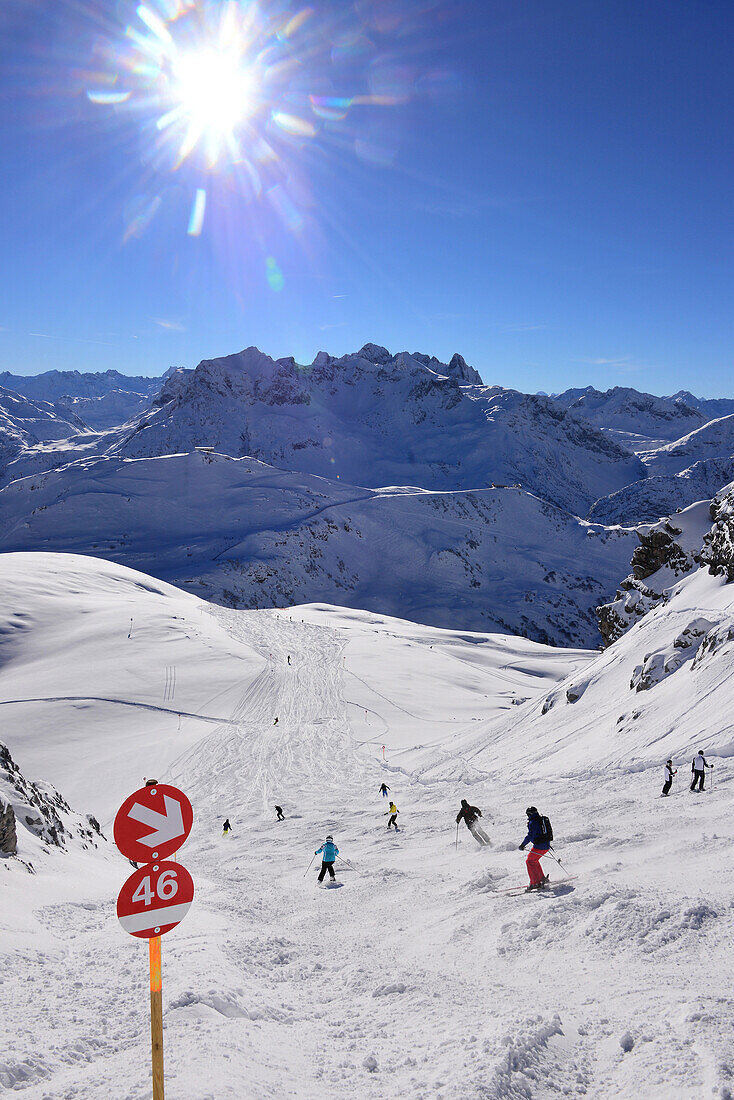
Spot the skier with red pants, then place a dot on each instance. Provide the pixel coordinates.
(540, 834)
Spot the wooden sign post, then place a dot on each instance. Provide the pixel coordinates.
(156, 1015)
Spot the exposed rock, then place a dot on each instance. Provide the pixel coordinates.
(666, 553)
(718, 544)
(40, 809)
(8, 836)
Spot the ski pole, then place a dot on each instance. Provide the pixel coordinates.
(561, 865)
(313, 857)
(346, 861)
(456, 845)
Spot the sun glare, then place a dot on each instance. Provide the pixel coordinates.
(214, 90)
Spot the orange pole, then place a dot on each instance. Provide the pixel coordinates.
(156, 1016)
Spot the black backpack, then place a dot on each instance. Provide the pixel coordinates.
(546, 827)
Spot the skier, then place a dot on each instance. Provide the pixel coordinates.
(226, 828)
(279, 812)
(470, 815)
(670, 771)
(275, 720)
(330, 852)
(384, 789)
(539, 835)
(393, 812)
(697, 767)
(289, 658)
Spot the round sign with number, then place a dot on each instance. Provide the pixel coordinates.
(154, 899)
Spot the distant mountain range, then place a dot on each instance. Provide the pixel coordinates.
(396, 483)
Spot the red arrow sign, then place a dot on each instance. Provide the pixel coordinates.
(153, 823)
(155, 899)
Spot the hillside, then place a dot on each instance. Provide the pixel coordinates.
(646, 501)
(247, 535)
(715, 440)
(299, 992)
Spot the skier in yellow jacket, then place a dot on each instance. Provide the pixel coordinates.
(393, 812)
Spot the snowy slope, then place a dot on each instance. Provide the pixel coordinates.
(664, 688)
(374, 419)
(67, 666)
(245, 534)
(715, 440)
(416, 978)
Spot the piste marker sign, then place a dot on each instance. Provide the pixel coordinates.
(153, 823)
(155, 899)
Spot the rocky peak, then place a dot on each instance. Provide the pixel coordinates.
(459, 368)
(374, 353)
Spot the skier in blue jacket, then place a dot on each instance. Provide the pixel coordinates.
(330, 852)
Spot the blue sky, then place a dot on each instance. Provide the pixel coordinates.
(542, 185)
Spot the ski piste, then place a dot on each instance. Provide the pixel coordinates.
(548, 888)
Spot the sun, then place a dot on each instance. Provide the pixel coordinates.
(214, 89)
(211, 93)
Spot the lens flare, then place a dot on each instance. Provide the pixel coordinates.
(242, 88)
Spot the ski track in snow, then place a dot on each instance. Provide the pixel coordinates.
(416, 980)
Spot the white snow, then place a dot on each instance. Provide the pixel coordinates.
(417, 978)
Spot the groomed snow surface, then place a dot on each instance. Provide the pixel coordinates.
(418, 978)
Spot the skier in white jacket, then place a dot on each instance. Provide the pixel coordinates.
(670, 771)
(697, 767)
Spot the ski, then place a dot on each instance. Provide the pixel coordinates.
(515, 891)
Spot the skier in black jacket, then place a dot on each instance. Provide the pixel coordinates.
(470, 816)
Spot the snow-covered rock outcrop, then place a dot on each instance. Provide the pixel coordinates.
(718, 544)
(667, 551)
(38, 810)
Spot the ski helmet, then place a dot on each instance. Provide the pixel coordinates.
(531, 811)
(700, 752)
(329, 837)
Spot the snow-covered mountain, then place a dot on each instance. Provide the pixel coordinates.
(24, 424)
(712, 407)
(36, 420)
(102, 400)
(374, 419)
(627, 412)
(53, 385)
(246, 534)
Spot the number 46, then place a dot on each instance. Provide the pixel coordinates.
(167, 887)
